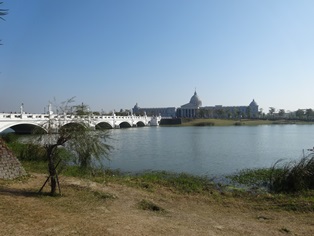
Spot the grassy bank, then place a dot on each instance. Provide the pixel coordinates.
(229, 122)
(292, 182)
(253, 189)
(146, 205)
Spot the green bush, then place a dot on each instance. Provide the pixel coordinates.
(10, 138)
(293, 176)
(24, 151)
(32, 152)
(208, 123)
(238, 123)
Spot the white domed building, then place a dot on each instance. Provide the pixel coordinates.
(194, 109)
(190, 110)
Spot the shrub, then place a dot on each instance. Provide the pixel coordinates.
(293, 176)
(10, 137)
(32, 152)
(237, 123)
(208, 123)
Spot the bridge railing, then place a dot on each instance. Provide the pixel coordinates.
(66, 116)
(22, 116)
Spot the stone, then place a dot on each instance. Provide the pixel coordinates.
(10, 166)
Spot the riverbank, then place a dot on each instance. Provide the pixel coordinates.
(230, 122)
(115, 204)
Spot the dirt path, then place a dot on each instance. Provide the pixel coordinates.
(88, 208)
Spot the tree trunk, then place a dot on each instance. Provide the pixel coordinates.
(52, 171)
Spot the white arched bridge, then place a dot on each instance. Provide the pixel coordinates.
(25, 123)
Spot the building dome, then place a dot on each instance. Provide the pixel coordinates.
(195, 100)
(253, 104)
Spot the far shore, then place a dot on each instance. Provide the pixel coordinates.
(244, 122)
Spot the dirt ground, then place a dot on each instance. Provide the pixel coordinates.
(88, 208)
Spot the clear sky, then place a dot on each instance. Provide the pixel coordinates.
(111, 54)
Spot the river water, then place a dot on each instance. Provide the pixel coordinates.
(207, 151)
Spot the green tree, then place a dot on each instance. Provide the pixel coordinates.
(272, 111)
(248, 112)
(76, 136)
(80, 110)
(123, 112)
(299, 114)
(87, 153)
(282, 112)
(260, 112)
(201, 113)
(237, 113)
(219, 113)
(309, 114)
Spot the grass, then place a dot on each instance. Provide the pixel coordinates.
(290, 186)
(178, 182)
(191, 186)
(233, 122)
(294, 176)
(252, 177)
(290, 177)
(151, 181)
(35, 166)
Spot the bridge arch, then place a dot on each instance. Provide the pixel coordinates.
(140, 124)
(103, 125)
(125, 124)
(72, 126)
(25, 128)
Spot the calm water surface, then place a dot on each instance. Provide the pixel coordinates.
(211, 151)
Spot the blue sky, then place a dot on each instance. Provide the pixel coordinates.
(111, 54)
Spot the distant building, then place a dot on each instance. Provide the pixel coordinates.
(190, 109)
(194, 109)
(162, 111)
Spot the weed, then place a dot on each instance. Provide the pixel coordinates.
(182, 182)
(285, 230)
(104, 196)
(252, 177)
(148, 205)
(293, 176)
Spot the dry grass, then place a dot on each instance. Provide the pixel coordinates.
(89, 208)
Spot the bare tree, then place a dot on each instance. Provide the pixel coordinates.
(74, 135)
(3, 12)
